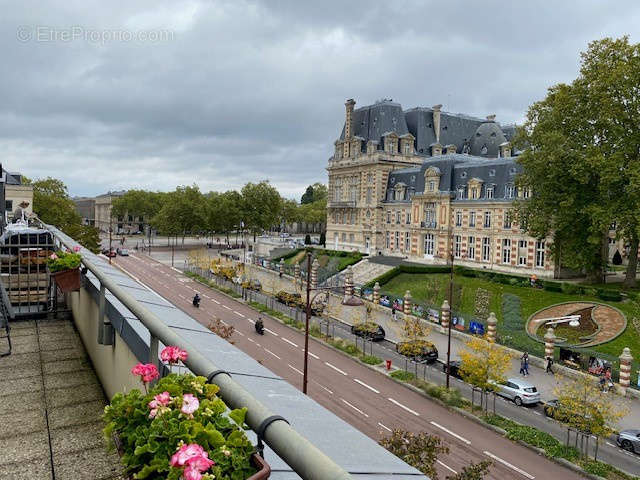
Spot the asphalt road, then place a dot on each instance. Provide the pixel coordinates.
(369, 401)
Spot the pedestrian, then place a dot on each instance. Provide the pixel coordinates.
(525, 358)
(549, 363)
(394, 315)
(521, 365)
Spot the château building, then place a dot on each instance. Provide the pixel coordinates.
(422, 183)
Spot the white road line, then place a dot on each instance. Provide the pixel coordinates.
(386, 428)
(294, 368)
(365, 385)
(447, 467)
(271, 332)
(323, 387)
(513, 467)
(252, 321)
(402, 406)
(335, 368)
(355, 408)
(239, 314)
(269, 351)
(206, 296)
(251, 340)
(174, 268)
(313, 355)
(182, 296)
(453, 434)
(215, 301)
(611, 444)
(289, 341)
(228, 308)
(537, 413)
(239, 333)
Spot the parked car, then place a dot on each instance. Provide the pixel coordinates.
(109, 253)
(520, 391)
(454, 368)
(123, 252)
(428, 351)
(369, 330)
(629, 440)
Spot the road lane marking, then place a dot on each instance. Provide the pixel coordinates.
(251, 340)
(447, 467)
(294, 368)
(335, 368)
(239, 333)
(251, 321)
(271, 332)
(269, 351)
(365, 385)
(537, 413)
(313, 355)
(206, 296)
(228, 308)
(289, 341)
(174, 268)
(239, 314)
(323, 387)
(355, 408)
(182, 296)
(513, 467)
(386, 428)
(611, 444)
(453, 434)
(215, 301)
(402, 406)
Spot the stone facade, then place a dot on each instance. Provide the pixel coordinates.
(394, 189)
(103, 219)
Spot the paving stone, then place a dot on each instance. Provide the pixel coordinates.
(72, 396)
(35, 470)
(17, 360)
(21, 332)
(95, 464)
(17, 325)
(28, 401)
(63, 354)
(66, 380)
(46, 335)
(25, 340)
(20, 385)
(47, 345)
(65, 366)
(18, 424)
(29, 347)
(25, 448)
(76, 438)
(21, 371)
(76, 414)
(57, 327)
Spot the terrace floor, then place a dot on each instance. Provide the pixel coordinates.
(50, 407)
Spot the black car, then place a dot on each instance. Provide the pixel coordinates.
(369, 330)
(428, 351)
(454, 370)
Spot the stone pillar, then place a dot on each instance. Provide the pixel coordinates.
(492, 322)
(406, 304)
(445, 316)
(296, 271)
(348, 282)
(314, 273)
(625, 369)
(549, 342)
(376, 293)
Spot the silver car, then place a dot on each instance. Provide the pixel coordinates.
(521, 392)
(629, 440)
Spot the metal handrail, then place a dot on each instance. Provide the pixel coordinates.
(300, 454)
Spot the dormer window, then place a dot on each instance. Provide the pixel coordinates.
(509, 191)
(474, 193)
(460, 194)
(489, 192)
(432, 185)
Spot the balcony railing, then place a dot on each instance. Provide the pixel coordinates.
(343, 204)
(428, 224)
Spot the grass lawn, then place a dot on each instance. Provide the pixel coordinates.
(433, 289)
(335, 261)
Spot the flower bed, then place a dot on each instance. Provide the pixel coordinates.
(65, 269)
(180, 429)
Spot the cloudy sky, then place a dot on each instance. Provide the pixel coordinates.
(154, 94)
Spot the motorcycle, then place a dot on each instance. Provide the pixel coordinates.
(259, 328)
(196, 302)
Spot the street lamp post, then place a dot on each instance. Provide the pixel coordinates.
(450, 317)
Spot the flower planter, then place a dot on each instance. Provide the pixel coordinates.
(68, 280)
(264, 470)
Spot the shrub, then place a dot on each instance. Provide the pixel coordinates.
(609, 295)
(61, 261)
(307, 239)
(481, 309)
(552, 286)
(402, 375)
(570, 288)
(597, 468)
(371, 359)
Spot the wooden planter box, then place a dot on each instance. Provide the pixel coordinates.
(68, 280)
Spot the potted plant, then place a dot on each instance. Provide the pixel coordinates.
(180, 429)
(64, 267)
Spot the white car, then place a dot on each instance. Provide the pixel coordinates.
(521, 392)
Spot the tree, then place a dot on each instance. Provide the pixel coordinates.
(184, 211)
(307, 239)
(484, 364)
(261, 205)
(475, 471)
(138, 203)
(307, 196)
(314, 193)
(584, 407)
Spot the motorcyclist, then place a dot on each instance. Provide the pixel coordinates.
(260, 326)
(196, 300)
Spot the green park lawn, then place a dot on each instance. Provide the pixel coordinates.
(433, 289)
(336, 261)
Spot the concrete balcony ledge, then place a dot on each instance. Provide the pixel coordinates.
(346, 446)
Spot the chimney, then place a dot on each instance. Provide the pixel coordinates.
(491, 118)
(348, 126)
(436, 121)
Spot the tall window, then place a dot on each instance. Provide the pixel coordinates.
(509, 191)
(408, 218)
(458, 218)
(351, 237)
(522, 253)
(388, 240)
(344, 237)
(471, 248)
(353, 193)
(525, 192)
(540, 253)
(460, 194)
(339, 218)
(457, 246)
(430, 213)
(407, 242)
(407, 149)
(369, 194)
(397, 240)
(472, 219)
(506, 250)
(507, 220)
(474, 193)
(388, 217)
(487, 219)
(429, 243)
(398, 217)
(489, 191)
(486, 249)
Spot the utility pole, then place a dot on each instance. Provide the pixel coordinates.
(173, 245)
(110, 233)
(451, 256)
(306, 325)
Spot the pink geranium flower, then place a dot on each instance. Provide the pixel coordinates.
(159, 404)
(202, 463)
(173, 354)
(53, 256)
(184, 453)
(76, 248)
(147, 372)
(191, 474)
(189, 404)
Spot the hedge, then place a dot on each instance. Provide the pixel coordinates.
(387, 276)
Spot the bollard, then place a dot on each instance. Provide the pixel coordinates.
(406, 304)
(446, 314)
(376, 293)
(388, 364)
(549, 343)
(625, 369)
(492, 322)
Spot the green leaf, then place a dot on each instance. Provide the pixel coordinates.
(238, 415)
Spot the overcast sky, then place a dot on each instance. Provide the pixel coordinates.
(118, 94)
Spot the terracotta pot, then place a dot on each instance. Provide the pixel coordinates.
(68, 280)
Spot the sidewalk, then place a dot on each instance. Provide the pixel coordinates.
(537, 376)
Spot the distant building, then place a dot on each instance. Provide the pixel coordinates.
(16, 196)
(423, 183)
(96, 211)
(86, 208)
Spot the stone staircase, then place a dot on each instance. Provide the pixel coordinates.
(50, 407)
(365, 271)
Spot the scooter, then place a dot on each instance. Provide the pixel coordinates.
(196, 302)
(259, 328)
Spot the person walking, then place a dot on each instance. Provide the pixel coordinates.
(549, 363)
(394, 315)
(525, 359)
(522, 365)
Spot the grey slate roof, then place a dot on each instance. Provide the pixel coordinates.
(373, 121)
(456, 170)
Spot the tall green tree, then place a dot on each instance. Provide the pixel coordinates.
(139, 203)
(183, 212)
(261, 205)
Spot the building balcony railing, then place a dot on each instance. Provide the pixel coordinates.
(428, 224)
(343, 204)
